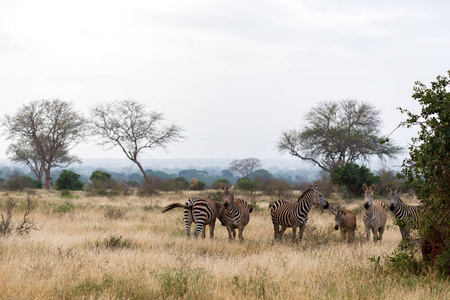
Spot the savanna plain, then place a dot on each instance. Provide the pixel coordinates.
(123, 247)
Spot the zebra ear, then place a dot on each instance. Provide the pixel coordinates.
(398, 190)
(223, 187)
(372, 188)
(311, 187)
(364, 187)
(231, 188)
(389, 190)
(334, 212)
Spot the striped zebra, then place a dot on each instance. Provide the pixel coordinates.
(407, 216)
(235, 213)
(375, 215)
(346, 222)
(295, 214)
(200, 211)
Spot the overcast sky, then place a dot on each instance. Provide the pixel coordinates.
(233, 74)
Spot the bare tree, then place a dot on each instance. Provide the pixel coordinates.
(245, 166)
(126, 124)
(43, 133)
(338, 133)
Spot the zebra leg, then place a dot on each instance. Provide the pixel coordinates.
(351, 236)
(276, 229)
(368, 233)
(294, 233)
(188, 223)
(300, 232)
(404, 232)
(375, 234)
(204, 232)
(211, 229)
(381, 231)
(229, 233)
(240, 229)
(198, 230)
(281, 232)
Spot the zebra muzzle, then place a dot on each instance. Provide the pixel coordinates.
(391, 207)
(336, 227)
(366, 205)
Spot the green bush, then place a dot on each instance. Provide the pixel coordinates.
(352, 177)
(69, 180)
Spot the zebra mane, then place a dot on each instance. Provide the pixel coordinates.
(303, 195)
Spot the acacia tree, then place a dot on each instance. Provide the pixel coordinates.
(43, 133)
(338, 133)
(245, 166)
(126, 124)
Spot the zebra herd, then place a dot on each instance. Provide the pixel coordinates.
(234, 213)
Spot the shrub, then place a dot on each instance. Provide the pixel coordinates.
(65, 207)
(352, 177)
(69, 180)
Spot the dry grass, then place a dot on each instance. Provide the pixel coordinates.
(140, 253)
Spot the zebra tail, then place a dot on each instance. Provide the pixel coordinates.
(175, 205)
(271, 205)
(250, 208)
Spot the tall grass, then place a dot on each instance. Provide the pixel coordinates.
(79, 251)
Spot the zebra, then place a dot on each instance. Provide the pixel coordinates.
(200, 211)
(235, 213)
(346, 221)
(295, 214)
(407, 216)
(375, 215)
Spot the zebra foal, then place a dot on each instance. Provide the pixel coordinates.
(375, 215)
(200, 211)
(234, 214)
(407, 216)
(346, 222)
(295, 214)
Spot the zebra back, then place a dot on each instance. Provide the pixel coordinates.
(401, 210)
(287, 213)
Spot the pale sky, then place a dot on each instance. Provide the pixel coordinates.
(233, 74)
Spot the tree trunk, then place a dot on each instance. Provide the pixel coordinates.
(142, 170)
(47, 179)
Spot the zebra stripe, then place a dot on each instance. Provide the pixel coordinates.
(294, 214)
(407, 214)
(346, 222)
(375, 215)
(200, 211)
(235, 213)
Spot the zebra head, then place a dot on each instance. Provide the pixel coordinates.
(318, 198)
(338, 218)
(368, 195)
(227, 196)
(394, 199)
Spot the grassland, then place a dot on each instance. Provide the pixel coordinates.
(125, 248)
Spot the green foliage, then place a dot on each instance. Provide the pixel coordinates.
(69, 180)
(65, 207)
(100, 176)
(197, 185)
(247, 184)
(217, 184)
(428, 165)
(352, 177)
(184, 282)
